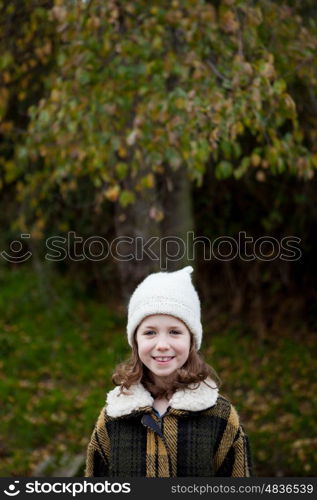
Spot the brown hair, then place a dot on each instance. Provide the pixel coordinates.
(133, 371)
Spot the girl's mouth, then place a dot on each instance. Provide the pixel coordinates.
(163, 359)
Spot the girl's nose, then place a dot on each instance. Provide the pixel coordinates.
(162, 343)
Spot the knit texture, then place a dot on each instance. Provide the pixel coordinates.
(166, 293)
(183, 443)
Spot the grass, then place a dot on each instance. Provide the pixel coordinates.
(58, 351)
(272, 383)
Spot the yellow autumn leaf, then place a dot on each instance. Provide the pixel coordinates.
(55, 95)
(112, 193)
(122, 152)
(255, 159)
(180, 103)
(229, 22)
(148, 181)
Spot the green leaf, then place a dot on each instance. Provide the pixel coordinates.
(223, 170)
(5, 60)
(279, 86)
(121, 169)
(243, 167)
(126, 198)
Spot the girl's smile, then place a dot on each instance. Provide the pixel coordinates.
(161, 359)
(163, 344)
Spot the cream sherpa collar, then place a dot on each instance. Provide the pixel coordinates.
(198, 399)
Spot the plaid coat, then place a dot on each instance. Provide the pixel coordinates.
(200, 435)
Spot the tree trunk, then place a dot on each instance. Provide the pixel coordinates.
(134, 225)
(175, 193)
(154, 244)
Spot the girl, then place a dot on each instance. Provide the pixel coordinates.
(165, 418)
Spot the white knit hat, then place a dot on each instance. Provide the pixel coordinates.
(166, 293)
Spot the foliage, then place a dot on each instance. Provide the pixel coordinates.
(138, 87)
(27, 44)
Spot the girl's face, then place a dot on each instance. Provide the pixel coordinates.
(163, 344)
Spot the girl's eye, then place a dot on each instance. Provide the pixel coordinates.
(175, 332)
(149, 332)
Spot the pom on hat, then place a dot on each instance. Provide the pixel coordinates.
(166, 293)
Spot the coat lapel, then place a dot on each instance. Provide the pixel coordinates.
(196, 398)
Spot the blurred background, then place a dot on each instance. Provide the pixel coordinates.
(156, 120)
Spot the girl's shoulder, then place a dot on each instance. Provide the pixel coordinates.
(102, 418)
(225, 410)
